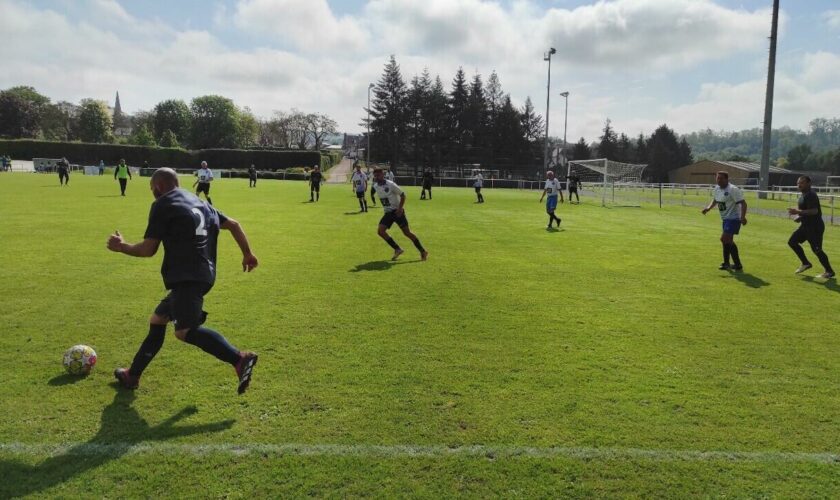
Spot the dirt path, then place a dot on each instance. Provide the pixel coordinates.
(340, 173)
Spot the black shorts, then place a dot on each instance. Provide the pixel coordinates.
(390, 218)
(203, 187)
(572, 190)
(477, 189)
(316, 187)
(360, 194)
(812, 234)
(427, 186)
(183, 305)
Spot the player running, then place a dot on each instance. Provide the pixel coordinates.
(360, 182)
(63, 168)
(811, 228)
(315, 180)
(733, 212)
(205, 177)
(123, 174)
(393, 201)
(554, 190)
(189, 229)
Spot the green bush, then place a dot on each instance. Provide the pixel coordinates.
(91, 154)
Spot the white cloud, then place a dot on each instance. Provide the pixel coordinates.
(309, 25)
(832, 18)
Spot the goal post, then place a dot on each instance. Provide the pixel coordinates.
(616, 183)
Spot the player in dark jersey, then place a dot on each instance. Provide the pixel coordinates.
(63, 168)
(428, 180)
(189, 229)
(315, 179)
(574, 184)
(252, 176)
(811, 228)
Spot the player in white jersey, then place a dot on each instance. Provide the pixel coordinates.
(389, 175)
(478, 184)
(205, 177)
(554, 190)
(733, 212)
(393, 201)
(360, 182)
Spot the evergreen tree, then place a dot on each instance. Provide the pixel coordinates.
(581, 150)
(685, 156)
(608, 147)
(169, 139)
(438, 123)
(458, 121)
(477, 115)
(532, 123)
(663, 154)
(624, 149)
(388, 110)
(641, 153)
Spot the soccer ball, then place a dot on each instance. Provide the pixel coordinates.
(79, 359)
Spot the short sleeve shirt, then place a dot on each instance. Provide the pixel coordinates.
(809, 201)
(389, 195)
(205, 175)
(727, 201)
(479, 181)
(389, 175)
(315, 178)
(188, 228)
(359, 181)
(552, 187)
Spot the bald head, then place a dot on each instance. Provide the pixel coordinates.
(163, 181)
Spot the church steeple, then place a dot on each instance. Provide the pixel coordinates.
(119, 118)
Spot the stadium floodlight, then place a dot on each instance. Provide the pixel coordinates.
(547, 57)
(367, 161)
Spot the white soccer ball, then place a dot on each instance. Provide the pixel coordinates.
(79, 359)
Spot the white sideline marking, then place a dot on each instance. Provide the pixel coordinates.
(408, 451)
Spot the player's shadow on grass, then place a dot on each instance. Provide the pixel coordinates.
(122, 428)
(554, 230)
(353, 213)
(748, 279)
(380, 265)
(109, 196)
(830, 284)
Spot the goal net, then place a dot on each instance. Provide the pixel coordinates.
(615, 183)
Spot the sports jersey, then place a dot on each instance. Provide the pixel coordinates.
(428, 178)
(389, 176)
(808, 201)
(188, 229)
(479, 181)
(389, 194)
(552, 187)
(359, 181)
(727, 199)
(205, 175)
(315, 178)
(252, 172)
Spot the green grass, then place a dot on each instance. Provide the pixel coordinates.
(613, 350)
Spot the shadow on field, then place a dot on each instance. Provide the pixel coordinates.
(748, 279)
(65, 379)
(381, 265)
(109, 196)
(121, 428)
(353, 213)
(829, 284)
(554, 230)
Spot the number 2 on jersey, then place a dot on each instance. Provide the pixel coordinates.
(200, 229)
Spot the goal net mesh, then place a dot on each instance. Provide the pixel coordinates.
(614, 183)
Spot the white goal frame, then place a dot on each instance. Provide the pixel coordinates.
(609, 176)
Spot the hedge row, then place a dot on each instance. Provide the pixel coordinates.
(91, 154)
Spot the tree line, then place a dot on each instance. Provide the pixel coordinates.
(209, 121)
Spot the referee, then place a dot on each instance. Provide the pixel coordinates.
(811, 228)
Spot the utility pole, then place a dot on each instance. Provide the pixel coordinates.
(764, 171)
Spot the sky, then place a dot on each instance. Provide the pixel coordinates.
(690, 64)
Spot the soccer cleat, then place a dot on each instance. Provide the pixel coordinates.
(803, 268)
(737, 267)
(126, 379)
(724, 266)
(826, 275)
(397, 253)
(244, 370)
(424, 255)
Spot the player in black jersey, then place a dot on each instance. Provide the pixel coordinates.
(811, 228)
(428, 180)
(315, 179)
(252, 176)
(189, 229)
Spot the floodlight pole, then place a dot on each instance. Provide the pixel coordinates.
(565, 95)
(367, 162)
(547, 57)
(764, 170)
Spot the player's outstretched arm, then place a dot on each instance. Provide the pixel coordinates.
(146, 248)
(708, 207)
(249, 260)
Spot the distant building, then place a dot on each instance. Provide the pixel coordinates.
(741, 173)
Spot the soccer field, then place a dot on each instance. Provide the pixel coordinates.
(609, 358)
